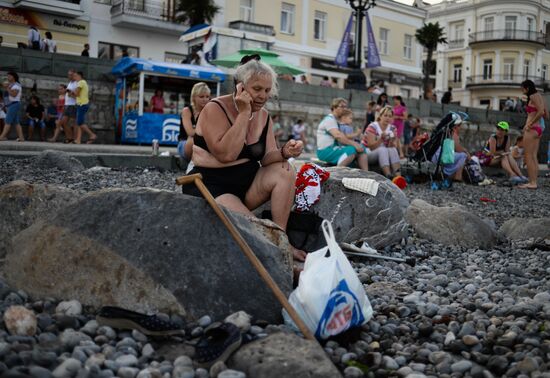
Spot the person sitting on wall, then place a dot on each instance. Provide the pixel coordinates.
(200, 95)
(235, 150)
(333, 146)
(36, 115)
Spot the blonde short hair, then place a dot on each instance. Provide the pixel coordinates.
(254, 67)
(336, 102)
(197, 90)
(383, 111)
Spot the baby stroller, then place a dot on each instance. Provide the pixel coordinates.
(424, 147)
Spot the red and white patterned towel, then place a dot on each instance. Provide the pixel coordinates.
(308, 186)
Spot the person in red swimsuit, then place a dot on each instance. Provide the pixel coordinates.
(532, 131)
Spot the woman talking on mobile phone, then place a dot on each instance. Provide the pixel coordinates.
(235, 149)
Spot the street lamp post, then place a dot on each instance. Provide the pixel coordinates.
(356, 78)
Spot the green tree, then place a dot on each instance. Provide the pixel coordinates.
(196, 12)
(429, 36)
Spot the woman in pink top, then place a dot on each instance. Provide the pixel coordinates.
(534, 126)
(380, 138)
(399, 118)
(157, 102)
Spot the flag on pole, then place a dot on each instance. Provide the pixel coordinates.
(373, 59)
(343, 51)
(209, 47)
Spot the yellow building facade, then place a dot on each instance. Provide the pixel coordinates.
(492, 47)
(307, 33)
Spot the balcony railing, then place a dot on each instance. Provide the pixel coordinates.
(502, 80)
(69, 8)
(456, 44)
(507, 35)
(153, 10)
(455, 84)
(252, 27)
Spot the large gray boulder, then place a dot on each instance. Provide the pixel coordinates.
(146, 249)
(22, 204)
(357, 216)
(54, 159)
(450, 225)
(522, 229)
(283, 355)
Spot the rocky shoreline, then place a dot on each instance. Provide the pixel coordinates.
(459, 312)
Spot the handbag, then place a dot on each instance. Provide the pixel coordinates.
(448, 151)
(329, 298)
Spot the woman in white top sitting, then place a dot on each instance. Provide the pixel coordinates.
(380, 138)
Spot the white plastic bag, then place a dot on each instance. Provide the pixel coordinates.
(329, 298)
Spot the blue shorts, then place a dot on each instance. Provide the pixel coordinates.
(335, 153)
(39, 123)
(81, 111)
(12, 115)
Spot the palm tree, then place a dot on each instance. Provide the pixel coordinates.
(196, 12)
(429, 36)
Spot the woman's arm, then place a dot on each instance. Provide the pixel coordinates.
(458, 146)
(224, 141)
(492, 146)
(187, 122)
(372, 141)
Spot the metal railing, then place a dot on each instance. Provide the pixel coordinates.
(151, 9)
(503, 80)
(507, 35)
(252, 27)
(456, 44)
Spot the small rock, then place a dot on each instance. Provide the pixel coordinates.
(138, 336)
(389, 363)
(181, 371)
(201, 373)
(217, 368)
(528, 365)
(470, 340)
(127, 372)
(461, 366)
(405, 371)
(241, 319)
(147, 350)
(449, 338)
(231, 374)
(90, 328)
(20, 321)
(183, 361)
(71, 308)
(71, 338)
(353, 372)
(127, 360)
(67, 369)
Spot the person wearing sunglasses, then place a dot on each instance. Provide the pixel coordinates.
(235, 149)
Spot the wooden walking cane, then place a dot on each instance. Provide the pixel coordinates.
(256, 263)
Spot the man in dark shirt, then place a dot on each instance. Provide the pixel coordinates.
(86, 51)
(36, 115)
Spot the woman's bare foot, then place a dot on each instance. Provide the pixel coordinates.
(528, 186)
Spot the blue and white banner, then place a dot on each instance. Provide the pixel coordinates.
(341, 59)
(373, 59)
(149, 126)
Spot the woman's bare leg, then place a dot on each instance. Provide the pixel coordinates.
(531, 142)
(514, 165)
(505, 164)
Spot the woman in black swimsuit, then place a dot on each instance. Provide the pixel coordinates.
(235, 149)
(200, 95)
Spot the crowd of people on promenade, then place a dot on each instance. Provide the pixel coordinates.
(65, 113)
(389, 131)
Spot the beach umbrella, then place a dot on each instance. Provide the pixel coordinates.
(269, 57)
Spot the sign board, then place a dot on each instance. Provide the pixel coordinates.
(44, 22)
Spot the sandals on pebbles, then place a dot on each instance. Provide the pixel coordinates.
(219, 341)
(150, 325)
